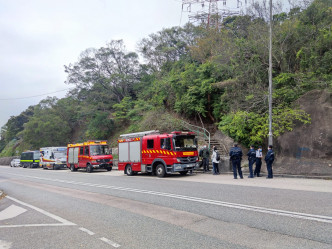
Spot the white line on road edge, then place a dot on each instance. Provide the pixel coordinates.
(110, 242)
(86, 231)
(11, 212)
(62, 221)
(305, 216)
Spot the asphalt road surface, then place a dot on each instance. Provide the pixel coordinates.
(63, 209)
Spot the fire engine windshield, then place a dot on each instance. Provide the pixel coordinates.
(96, 150)
(184, 143)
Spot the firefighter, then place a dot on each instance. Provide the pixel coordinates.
(236, 156)
(259, 156)
(269, 158)
(251, 158)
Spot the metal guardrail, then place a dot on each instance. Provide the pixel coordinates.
(198, 130)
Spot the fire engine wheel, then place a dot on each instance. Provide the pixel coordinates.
(129, 170)
(89, 168)
(72, 168)
(160, 170)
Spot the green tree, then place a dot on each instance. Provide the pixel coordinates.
(104, 74)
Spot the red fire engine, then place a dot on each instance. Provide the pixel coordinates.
(157, 153)
(89, 155)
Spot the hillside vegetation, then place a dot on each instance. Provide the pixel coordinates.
(216, 76)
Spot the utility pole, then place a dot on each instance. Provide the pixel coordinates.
(270, 79)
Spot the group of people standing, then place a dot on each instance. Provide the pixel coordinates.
(254, 156)
(204, 153)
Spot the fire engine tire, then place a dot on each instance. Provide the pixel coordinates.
(72, 168)
(89, 168)
(109, 168)
(183, 173)
(160, 170)
(129, 170)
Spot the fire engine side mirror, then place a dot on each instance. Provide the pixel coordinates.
(110, 151)
(196, 141)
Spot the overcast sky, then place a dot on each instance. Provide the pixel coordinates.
(39, 37)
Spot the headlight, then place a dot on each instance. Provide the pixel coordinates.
(178, 160)
(94, 161)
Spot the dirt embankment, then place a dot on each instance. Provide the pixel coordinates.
(7, 160)
(308, 148)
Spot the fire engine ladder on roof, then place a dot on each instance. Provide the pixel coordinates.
(200, 131)
(140, 134)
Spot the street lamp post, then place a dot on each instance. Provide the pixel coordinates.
(270, 79)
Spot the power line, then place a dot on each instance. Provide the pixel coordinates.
(28, 97)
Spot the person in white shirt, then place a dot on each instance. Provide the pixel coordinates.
(215, 161)
(259, 156)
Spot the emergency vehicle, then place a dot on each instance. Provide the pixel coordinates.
(53, 157)
(30, 159)
(157, 153)
(89, 155)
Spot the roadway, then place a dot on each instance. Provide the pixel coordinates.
(63, 209)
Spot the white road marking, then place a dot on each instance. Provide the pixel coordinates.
(11, 212)
(63, 222)
(5, 244)
(110, 242)
(304, 216)
(86, 231)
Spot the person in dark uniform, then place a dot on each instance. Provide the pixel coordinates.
(236, 156)
(259, 156)
(205, 154)
(252, 159)
(269, 158)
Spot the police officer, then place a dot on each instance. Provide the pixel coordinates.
(236, 156)
(259, 156)
(269, 158)
(251, 158)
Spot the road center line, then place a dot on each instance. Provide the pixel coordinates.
(86, 231)
(305, 216)
(110, 242)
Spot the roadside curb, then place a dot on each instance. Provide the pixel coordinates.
(274, 175)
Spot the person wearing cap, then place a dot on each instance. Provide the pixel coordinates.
(235, 154)
(215, 161)
(259, 156)
(251, 158)
(269, 158)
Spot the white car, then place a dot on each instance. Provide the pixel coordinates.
(15, 163)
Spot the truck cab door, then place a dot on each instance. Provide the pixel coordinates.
(165, 150)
